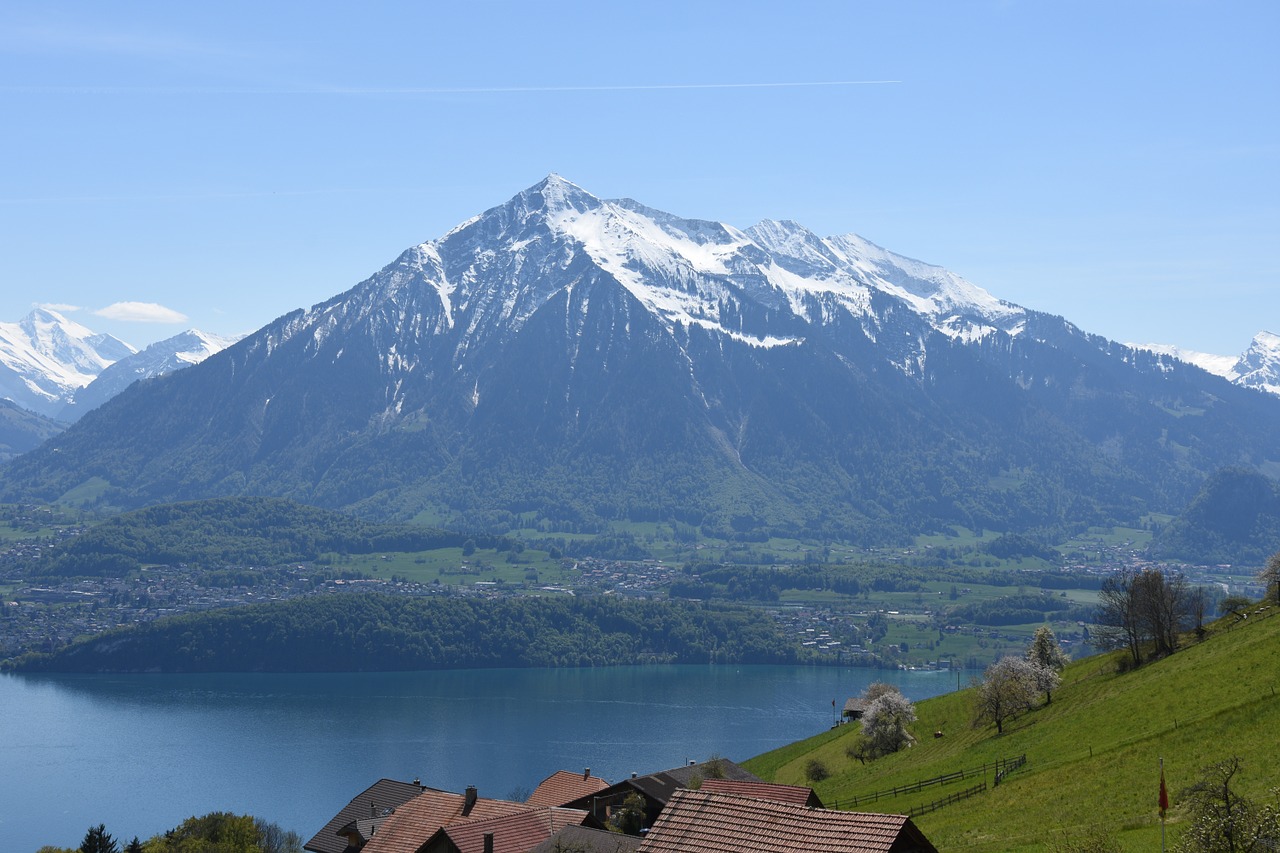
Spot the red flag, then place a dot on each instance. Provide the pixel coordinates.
(1164, 794)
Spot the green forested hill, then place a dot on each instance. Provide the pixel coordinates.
(246, 531)
(1234, 519)
(379, 633)
(1092, 755)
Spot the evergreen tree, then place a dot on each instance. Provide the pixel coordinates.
(98, 840)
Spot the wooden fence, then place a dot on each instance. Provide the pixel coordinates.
(1001, 767)
(948, 800)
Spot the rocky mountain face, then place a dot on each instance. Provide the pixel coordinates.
(562, 361)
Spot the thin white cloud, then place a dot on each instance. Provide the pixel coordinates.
(60, 307)
(141, 312)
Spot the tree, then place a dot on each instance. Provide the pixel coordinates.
(1270, 574)
(1046, 653)
(98, 840)
(885, 721)
(1135, 608)
(1222, 821)
(629, 820)
(815, 770)
(1117, 616)
(1234, 604)
(1009, 686)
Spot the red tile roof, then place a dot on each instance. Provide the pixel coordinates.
(702, 822)
(514, 833)
(565, 786)
(793, 794)
(418, 819)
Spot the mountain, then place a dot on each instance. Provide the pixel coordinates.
(22, 430)
(181, 350)
(1258, 367)
(45, 357)
(561, 361)
(1234, 519)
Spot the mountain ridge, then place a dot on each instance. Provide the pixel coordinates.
(565, 361)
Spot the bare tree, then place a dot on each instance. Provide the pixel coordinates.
(1222, 821)
(1136, 608)
(1118, 623)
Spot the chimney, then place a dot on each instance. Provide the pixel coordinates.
(373, 809)
(488, 842)
(633, 774)
(586, 774)
(469, 803)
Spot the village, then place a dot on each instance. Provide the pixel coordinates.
(710, 805)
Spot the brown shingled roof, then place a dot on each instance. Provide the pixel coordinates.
(374, 801)
(702, 822)
(582, 839)
(514, 833)
(418, 819)
(565, 786)
(793, 794)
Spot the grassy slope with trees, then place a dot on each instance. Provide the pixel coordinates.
(1092, 754)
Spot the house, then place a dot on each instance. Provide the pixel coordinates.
(703, 821)
(656, 788)
(565, 786)
(582, 839)
(854, 709)
(345, 831)
(513, 833)
(417, 820)
(793, 794)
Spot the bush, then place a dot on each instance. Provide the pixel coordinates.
(815, 770)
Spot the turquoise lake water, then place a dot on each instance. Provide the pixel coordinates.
(141, 753)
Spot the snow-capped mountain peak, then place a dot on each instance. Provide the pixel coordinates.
(45, 357)
(1257, 367)
(182, 350)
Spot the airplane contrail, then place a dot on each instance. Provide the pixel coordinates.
(423, 90)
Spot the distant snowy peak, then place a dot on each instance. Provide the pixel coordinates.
(1219, 365)
(1258, 367)
(162, 357)
(45, 357)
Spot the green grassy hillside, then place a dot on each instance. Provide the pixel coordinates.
(1092, 755)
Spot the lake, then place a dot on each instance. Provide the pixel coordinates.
(141, 753)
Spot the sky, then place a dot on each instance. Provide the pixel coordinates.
(215, 165)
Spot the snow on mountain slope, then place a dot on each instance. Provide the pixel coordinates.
(763, 286)
(1258, 367)
(182, 350)
(45, 357)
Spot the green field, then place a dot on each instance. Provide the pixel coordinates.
(1092, 755)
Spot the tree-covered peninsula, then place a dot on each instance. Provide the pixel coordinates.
(372, 632)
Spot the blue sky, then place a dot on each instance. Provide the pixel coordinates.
(1114, 162)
